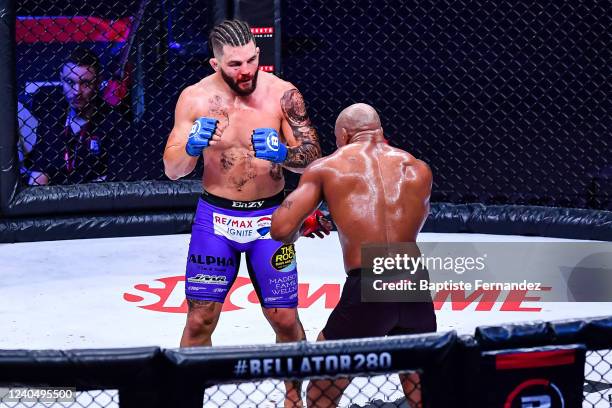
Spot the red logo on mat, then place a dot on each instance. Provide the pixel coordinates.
(168, 295)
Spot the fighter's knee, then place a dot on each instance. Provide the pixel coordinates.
(201, 318)
(285, 323)
(199, 324)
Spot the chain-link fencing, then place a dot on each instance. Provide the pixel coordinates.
(388, 390)
(364, 391)
(508, 102)
(598, 379)
(435, 370)
(97, 84)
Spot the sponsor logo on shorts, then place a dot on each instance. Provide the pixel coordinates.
(250, 204)
(286, 284)
(242, 229)
(263, 226)
(211, 260)
(283, 260)
(209, 279)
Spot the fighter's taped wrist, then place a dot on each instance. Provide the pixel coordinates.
(312, 224)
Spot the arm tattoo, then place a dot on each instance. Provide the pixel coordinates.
(294, 110)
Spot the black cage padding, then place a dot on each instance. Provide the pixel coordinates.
(447, 363)
(408, 352)
(444, 218)
(84, 369)
(595, 332)
(520, 220)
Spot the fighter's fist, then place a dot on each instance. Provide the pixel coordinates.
(267, 145)
(316, 224)
(200, 136)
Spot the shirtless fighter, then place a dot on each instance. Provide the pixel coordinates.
(375, 194)
(247, 125)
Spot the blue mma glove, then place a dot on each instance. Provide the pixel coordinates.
(202, 131)
(267, 145)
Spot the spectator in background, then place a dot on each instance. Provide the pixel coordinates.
(79, 136)
(27, 125)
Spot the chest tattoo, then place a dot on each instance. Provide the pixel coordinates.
(217, 108)
(238, 167)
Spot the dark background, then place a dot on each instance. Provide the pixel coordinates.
(508, 102)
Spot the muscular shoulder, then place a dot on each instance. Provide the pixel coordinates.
(277, 84)
(199, 90)
(194, 98)
(417, 172)
(191, 95)
(422, 169)
(327, 169)
(283, 90)
(319, 164)
(419, 167)
(316, 169)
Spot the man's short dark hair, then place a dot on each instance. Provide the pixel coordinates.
(234, 33)
(82, 56)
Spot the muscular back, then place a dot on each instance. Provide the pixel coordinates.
(375, 193)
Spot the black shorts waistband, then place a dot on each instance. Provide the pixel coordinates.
(262, 203)
(354, 273)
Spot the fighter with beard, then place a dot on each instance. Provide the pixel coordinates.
(246, 125)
